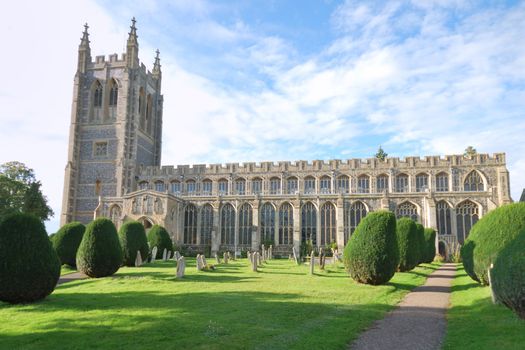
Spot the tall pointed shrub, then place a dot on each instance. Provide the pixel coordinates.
(132, 239)
(99, 254)
(371, 255)
(421, 245)
(67, 240)
(408, 244)
(160, 238)
(430, 245)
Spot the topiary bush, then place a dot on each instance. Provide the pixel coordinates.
(408, 244)
(132, 239)
(489, 236)
(430, 245)
(29, 266)
(371, 255)
(99, 253)
(67, 240)
(421, 244)
(508, 275)
(160, 238)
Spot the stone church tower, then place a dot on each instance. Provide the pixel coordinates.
(116, 127)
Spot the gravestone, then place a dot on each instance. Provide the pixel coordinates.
(259, 259)
(270, 253)
(253, 261)
(225, 257)
(200, 266)
(181, 267)
(154, 254)
(322, 258)
(217, 259)
(138, 259)
(295, 256)
(249, 256)
(176, 256)
(203, 258)
(312, 262)
(169, 255)
(164, 254)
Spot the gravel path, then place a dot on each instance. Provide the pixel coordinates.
(419, 320)
(71, 277)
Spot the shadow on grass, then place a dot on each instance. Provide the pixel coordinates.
(196, 320)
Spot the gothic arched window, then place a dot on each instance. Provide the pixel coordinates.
(113, 93)
(190, 224)
(309, 185)
(286, 224)
(206, 224)
(474, 182)
(257, 185)
(159, 186)
(408, 210)
(240, 186)
(227, 224)
(353, 214)
(175, 187)
(149, 107)
(191, 187)
(309, 223)
(325, 184)
(223, 186)
(363, 184)
(444, 222)
(142, 109)
(97, 95)
(328, 224)
(382, 183)
(245, 224)
(421, 182)
(206, 187)
(442, 182)
(275, 185)
(402, 183)
(291, 185)
(343, 184)
(467, 214)
(267, 223)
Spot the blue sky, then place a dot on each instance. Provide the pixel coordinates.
(279, 80)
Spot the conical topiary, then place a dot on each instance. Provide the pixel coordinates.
(430, 245)
(408, 244)
(489, 236)
(160, 238)
(371, 255)
(67, 240)
(421, 245)
(132, 239)
(99, 253)
(29, 266)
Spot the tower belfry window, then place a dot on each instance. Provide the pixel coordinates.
(97, 97)
(113, 95)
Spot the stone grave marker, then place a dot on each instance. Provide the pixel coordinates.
(249, 256)
(154, 254)
(312, 262)
(253, 261)
(138, 259)
(181, 267)
(200, 266)
(164, 254)
(270, 253)
(322, 258)
(295, 256)
(217, 259)
(225, 257)
(176, 256)
(169, 255)
(203, 258)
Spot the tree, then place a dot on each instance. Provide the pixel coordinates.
(20, 192)
(381, 154)
(470, 152)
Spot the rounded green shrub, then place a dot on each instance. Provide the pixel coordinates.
(132, 239)
(430, 245)
(99, 253)
(67, 240)
(489, 236)
(421, 245)
(408, 244)
(29, 266)
(508, 275)
(160, 238)
(371, 255)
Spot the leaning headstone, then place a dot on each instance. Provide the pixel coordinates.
(164, 254)
(154, 254)
(169, 255)
(176, 255)
(295, 256)
(138, 259)
(200, 266)
(322, 258)
(203, 258)
(181, 267)
(312, 262)
(217, 259)
(225, 257)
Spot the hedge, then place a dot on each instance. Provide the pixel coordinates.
(67, 240)
(132, 239)
(408, 244)
(430, 245)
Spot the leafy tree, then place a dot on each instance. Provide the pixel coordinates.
(381, 154)
(20, 192)
(470, 152)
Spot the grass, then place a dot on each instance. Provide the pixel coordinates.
(279, 307)
(475, 323)
(66, 270)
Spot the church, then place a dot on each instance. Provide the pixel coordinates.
(114, 170)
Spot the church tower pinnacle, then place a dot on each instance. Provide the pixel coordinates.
(132, 50)
(84, 51)
(156, 66)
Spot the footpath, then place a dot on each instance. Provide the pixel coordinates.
(419, 321)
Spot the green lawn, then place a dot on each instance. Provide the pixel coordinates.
(475, 323)
(66, 270)
(280, 307)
